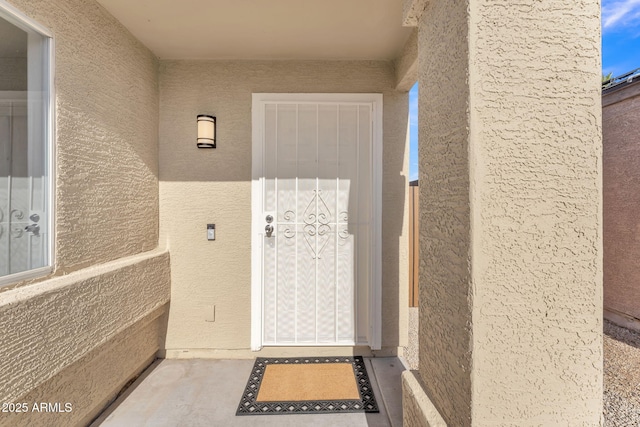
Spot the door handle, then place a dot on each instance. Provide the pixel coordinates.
(33, 228)
(268, 229)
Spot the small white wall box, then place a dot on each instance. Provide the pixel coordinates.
(211, 232)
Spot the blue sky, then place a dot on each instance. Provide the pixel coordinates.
(620, 54)
(620, 36)
(413, 133)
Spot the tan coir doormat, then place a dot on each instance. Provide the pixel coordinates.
(307, 386)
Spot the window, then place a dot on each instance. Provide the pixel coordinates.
(26, 147)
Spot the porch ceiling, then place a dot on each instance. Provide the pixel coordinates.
(265, 29)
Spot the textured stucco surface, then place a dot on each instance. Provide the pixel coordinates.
(621, 198)
(417, 408)
(406, 65)
(510, 174)
(79, 336)
(537, 202)
(412, 10)
(445, 300)
(107, 133)
(95, 379)
(51, 325)
(198, 187)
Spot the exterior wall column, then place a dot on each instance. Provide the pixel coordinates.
(510, 214)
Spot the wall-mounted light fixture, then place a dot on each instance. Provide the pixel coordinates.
(206, 131)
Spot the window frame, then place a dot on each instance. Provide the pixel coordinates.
(22, 21)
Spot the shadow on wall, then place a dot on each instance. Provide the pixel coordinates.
(621, 199)
(199, 187)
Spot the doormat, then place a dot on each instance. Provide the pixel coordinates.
(308, 385)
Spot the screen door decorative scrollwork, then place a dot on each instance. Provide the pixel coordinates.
(314, 219)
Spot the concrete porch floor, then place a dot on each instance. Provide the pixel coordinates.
(200, 392)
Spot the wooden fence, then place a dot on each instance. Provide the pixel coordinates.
(414, 234)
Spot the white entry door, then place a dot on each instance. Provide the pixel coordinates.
(316, 219)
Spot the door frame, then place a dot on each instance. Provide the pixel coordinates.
(259, 100)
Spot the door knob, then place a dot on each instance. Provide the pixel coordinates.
(268, 229)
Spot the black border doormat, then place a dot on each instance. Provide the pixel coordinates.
(249, 406)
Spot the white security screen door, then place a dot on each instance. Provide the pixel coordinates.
(316, 202)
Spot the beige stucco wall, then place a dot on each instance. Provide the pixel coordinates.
(537, 212)
(214, 186)
(621, 181)
(511, 214)
(443, 129)
(81, 334)
(107, 132)
(83, 383)
(417, 408)
(79, 338)
(406, 64)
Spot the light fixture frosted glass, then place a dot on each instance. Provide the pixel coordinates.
(206, 131)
